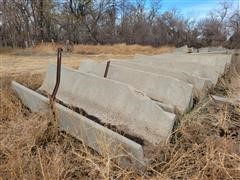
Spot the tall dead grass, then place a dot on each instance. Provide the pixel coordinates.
(205, 145)
(117, 49)
(120, 49)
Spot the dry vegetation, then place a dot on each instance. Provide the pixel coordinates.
(116, 49)
(205, 145)
(36, 60)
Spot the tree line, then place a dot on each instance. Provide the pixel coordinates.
(24, 23)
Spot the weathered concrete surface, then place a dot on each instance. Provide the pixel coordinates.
(183, 49)
(233, 101)
(166, 107)
(215, 61)
(161, 88)
(219, 50)
(113, 103)
(98, 137)
(200, 84)
(211, 50)
(200, 70)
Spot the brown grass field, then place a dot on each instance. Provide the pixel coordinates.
(205, 145)
(36, 60)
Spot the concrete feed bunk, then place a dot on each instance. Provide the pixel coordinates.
(200, 84)
(200, 70)
(202, 65)
(161, 88)
(116, 105)
(217, 62)
(110, 115)
(113, 103)
(94, 135)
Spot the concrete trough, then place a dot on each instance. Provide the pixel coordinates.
(203, 71)
(161, 88)
(216, 62)
(200, 84)
(209, 50)
(216, 50)
(186, 66)
(94, 135)
(112, 103)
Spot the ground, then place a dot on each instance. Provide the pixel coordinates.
(37, 59)
(204, 145)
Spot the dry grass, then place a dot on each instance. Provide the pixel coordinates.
(205, 145)
(120, 49)
(117, 49)
(36, 59)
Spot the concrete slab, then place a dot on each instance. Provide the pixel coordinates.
(217, 50)
(99, 138)
(208, 50)
(195, 69)
(215, 61)
(228, 51)
(200, 84)
(158, 87)
(233, 101)
(113, 103)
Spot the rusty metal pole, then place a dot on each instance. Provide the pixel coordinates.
(106, 70)
(58, 75)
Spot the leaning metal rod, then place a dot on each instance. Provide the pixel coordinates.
(106, 70)
(58, 75)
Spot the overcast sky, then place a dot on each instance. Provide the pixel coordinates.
(194, 8)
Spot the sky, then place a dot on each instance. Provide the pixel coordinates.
(194, 8)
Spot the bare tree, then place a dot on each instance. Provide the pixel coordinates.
(25, 22)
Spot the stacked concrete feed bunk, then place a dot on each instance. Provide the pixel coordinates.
(133, 109)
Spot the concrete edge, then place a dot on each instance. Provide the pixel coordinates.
(91, 134)
(233, 101)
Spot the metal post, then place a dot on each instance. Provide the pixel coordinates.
(58, 75)
(106, 70)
